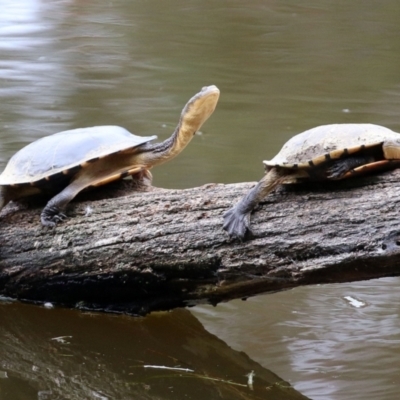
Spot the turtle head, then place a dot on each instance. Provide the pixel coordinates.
(197, 110)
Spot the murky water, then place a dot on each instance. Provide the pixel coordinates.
(282, 67)
(331, 342)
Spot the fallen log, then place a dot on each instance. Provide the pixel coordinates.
(162, 249)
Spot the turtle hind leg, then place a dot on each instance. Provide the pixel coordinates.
(237, 219)
(4, 196)
(341, 167)
(8, 193)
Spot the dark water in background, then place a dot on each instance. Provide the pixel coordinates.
(282, 67)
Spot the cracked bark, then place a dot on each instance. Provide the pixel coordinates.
(162, 249)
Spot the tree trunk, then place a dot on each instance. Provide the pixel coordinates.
(161, 249)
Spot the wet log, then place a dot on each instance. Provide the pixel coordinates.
(165, 248)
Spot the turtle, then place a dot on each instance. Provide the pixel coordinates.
(65, 163)
(327, 152)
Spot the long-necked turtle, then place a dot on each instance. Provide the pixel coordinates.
(329, 152)
(67, 162)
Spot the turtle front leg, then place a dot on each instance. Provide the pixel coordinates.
(52, 215)
(54, 211)
(237, 219)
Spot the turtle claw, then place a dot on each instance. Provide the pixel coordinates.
(51, 216)
(237, 224)
(336, 171)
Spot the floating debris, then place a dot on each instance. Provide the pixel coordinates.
(354, 302)
(170, 368)
(250, 379)
(61, 339)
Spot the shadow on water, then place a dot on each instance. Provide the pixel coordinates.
(64, 354)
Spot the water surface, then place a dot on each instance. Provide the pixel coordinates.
(282, 67)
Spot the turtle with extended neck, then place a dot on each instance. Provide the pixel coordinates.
(65, 163)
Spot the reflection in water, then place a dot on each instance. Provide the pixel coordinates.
(60, 354)
(282, 67)
(325, 345)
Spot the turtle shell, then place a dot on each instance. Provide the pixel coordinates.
(329, 142)
(63, 151)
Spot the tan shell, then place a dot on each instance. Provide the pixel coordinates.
(328, 142)
(65, 150)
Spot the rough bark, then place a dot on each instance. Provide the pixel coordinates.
(165, 248)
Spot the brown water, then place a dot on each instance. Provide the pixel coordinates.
(282, 67)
